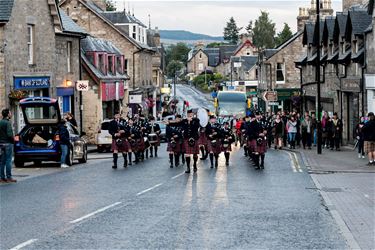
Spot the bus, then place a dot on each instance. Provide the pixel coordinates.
(231, 103)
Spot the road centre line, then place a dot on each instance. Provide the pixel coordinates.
(149, 189)
(294, 162)
(96, 212)
(174, 177)
(24, 244)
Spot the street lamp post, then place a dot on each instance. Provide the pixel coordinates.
(318, 102)
(174, 84)
(231, 72)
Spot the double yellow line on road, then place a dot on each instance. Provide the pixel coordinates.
(294, 162)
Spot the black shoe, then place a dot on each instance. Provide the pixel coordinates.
(171, 166)
(156, 155)
(227, 163)
(261, 166)
(187, 171)
(212, 166)
(114, 167)
(125, 165)
(195, 169)
(151, 156)
(129, 164)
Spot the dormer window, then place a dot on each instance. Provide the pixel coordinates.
(111, 64)
(102, 63)
(120, 64)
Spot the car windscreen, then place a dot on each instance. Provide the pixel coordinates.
(105, 126)
(37, 114)
(161, 125)
(230, 109)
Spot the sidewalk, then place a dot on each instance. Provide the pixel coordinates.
(347, 186)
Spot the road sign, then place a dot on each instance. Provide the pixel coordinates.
(270, 96)
(82, 85)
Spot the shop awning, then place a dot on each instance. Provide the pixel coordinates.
(359, 56)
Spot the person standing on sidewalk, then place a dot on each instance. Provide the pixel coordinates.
(314, 129)
(306, 128)
(6, 147)
(64, 142)
(359, 137)
(369, 138)
(337, 132)
(292, 131)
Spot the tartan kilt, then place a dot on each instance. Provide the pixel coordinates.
(190, 150)
(134, 146)
(141, 144)
(124, 147)
(254, 147)
(217, 149)
(369, 146)
(177, 149)
(203, 140)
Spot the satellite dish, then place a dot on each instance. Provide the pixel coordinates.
(202, 116)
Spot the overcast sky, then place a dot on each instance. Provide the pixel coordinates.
(210, 17)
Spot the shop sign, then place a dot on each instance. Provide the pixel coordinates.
(135, 99)
(270, 96)
(273, 103)
(37, 82)
(82, 85)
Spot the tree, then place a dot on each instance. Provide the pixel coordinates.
(264, 32)
(110, 6)
(178, 52)
(174, 66)
(284, 35)
(214, 45)
(249, 29)
(231, 31)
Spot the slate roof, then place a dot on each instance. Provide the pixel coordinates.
(213, 55)
(69, 25)
(308, 33)
(6, 7)
(358, 21)
(340, 25)
(329, 26)
(270, 52)
(122, 17)
(98, 45)
(226, 51)
(247, 62)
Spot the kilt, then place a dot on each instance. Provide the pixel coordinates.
(141, 144)
(124, 147)
(177, 149)
(369, 146)
(203, 139)
(217, 149)
(255, 147)
(190, 150)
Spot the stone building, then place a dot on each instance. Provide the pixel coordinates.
(306, 14)
(103, 66)
(201, 59)
(91, 15)
(277, 72)
(39, 55)
(342, 46)
(369, 86)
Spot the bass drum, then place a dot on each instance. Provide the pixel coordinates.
(203, 117)
(147, 143)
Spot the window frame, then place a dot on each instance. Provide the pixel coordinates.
(69, 46)
(283, 72)
(30, 44)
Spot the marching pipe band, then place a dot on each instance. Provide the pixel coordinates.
(188, 137)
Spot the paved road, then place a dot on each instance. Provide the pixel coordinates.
(151, 206)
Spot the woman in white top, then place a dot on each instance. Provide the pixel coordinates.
(292, 131)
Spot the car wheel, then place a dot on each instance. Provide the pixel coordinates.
(19, 164)
(70, 159)
(37, 163)
(84, 157)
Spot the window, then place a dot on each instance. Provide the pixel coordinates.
(30, 43)
(111, 64)
(69, 56)
(200, 55)
(101, 64)
(119, 64)
(125, 66)
(280, 73)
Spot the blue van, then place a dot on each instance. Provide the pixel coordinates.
(39, 141)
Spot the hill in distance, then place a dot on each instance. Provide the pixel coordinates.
(182, 35)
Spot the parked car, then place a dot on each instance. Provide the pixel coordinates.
(163, 136)
(39, 141)
(104, 138)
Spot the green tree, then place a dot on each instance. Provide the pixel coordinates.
(231, 31)
(174, 66)
(178, 52)
(284, 35)
(249, 29)
(214, 45)
(264, 31)
(110, 6)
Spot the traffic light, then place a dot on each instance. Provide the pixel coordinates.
(216, 103)
(248, 103)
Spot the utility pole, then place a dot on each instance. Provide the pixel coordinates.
(205, 75)
(174, 83)
(318, 101)
(231, 72)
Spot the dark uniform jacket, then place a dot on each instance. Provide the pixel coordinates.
(114, 127)
(6, 132)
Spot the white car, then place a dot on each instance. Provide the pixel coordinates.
(104, 138)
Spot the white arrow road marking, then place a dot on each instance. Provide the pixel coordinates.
(96, 212)
(22, 245)
(149, 189)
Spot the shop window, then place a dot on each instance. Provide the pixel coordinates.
(69, 56)
(30, 43)
(280, 73)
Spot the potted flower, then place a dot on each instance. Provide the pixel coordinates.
(16, 95)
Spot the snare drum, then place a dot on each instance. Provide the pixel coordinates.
(153, 138)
